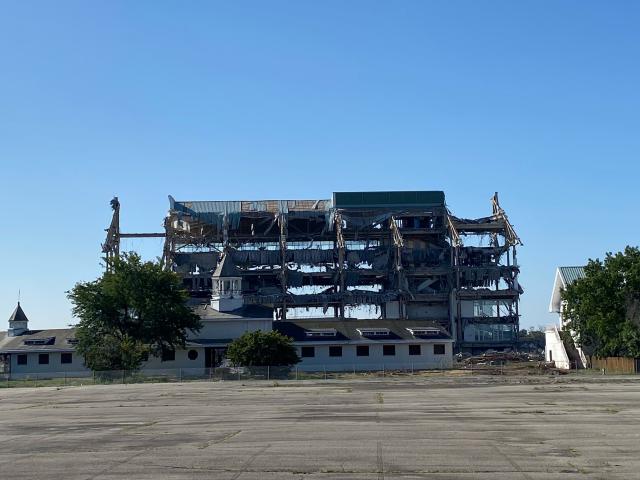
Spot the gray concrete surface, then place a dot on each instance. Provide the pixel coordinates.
(435, 428)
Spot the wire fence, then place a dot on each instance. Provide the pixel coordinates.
(249, 373)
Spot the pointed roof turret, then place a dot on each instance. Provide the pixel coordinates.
(18, 315)
(226, 267)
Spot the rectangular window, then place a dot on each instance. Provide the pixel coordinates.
(168, 355)
(308, 352)
(388, 350)
(22, 359)
(66, 358)
(414, 350)
(335, 351)
(438, 349)
(362, 350)
(43, 359)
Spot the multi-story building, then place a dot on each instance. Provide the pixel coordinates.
(369, 255)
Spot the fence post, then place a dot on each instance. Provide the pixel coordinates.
(296, 373)
(36, 380)
(268, 376)
(180, 375)
(411, 368)
(123, 377)
(65, 379)
(324, 369)
(93, 372)
(383, 370)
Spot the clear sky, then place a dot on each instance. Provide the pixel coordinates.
(537, 100)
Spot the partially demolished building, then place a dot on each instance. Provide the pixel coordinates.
(397, 255)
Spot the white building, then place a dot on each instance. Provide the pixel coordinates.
(555, 349)
(328, 344)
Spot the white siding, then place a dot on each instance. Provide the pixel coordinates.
(376, 360)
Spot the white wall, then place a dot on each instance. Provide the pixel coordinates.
(181, 360)
(554, 350)
(376, 360)
(54, 365)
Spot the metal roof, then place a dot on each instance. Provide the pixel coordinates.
(226, 267)
(18, 315)
(58, 341)
(571, 274)
(348, 330)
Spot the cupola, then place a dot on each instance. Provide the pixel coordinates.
(18, 322)
(226, 286)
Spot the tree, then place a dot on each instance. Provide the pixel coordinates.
(133, 309)
(261, 349)
(601, 308)
(531, 337)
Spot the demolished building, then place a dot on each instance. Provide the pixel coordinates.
(399, 255)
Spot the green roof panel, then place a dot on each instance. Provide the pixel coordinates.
(427, 198)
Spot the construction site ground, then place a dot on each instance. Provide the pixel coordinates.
(437, 427)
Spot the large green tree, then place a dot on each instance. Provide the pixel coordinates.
(134, 308)
(602, 307)
(261, 349)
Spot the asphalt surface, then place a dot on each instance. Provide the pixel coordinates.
(438, 428)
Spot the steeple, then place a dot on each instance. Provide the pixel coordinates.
(227, 286)
(18, 322)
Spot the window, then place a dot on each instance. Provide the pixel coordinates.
(43, 359)
(168, 355)
(438, 349)
(373, 332)
(308, 352)
(321, 332)
(388, 350)
(362, 350)
(335, 351)
(414, 350)
(22, 359)
(193, 354)
(66, 358)
(424, 331)
(40, 341)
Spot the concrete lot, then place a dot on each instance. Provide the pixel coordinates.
(436, 428)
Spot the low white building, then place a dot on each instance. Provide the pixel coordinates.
(351, 345)
(555, 349)
(328, 344)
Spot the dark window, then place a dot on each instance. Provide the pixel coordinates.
(414, 349)
(362, 350)
(306, 352)
(168, 355)
(66, 358)
(335, 351)
(438, 349)
(389, 350)
(43, 359)
(22, 359)
(193, 354)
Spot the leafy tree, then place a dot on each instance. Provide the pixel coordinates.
(532, 336)
(262, 349)
(133, 309)
(602, 307)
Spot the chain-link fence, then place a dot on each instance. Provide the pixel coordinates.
(274, 373)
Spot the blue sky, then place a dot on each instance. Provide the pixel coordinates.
(536, 100)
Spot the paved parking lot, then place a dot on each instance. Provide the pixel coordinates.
(438, 428)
